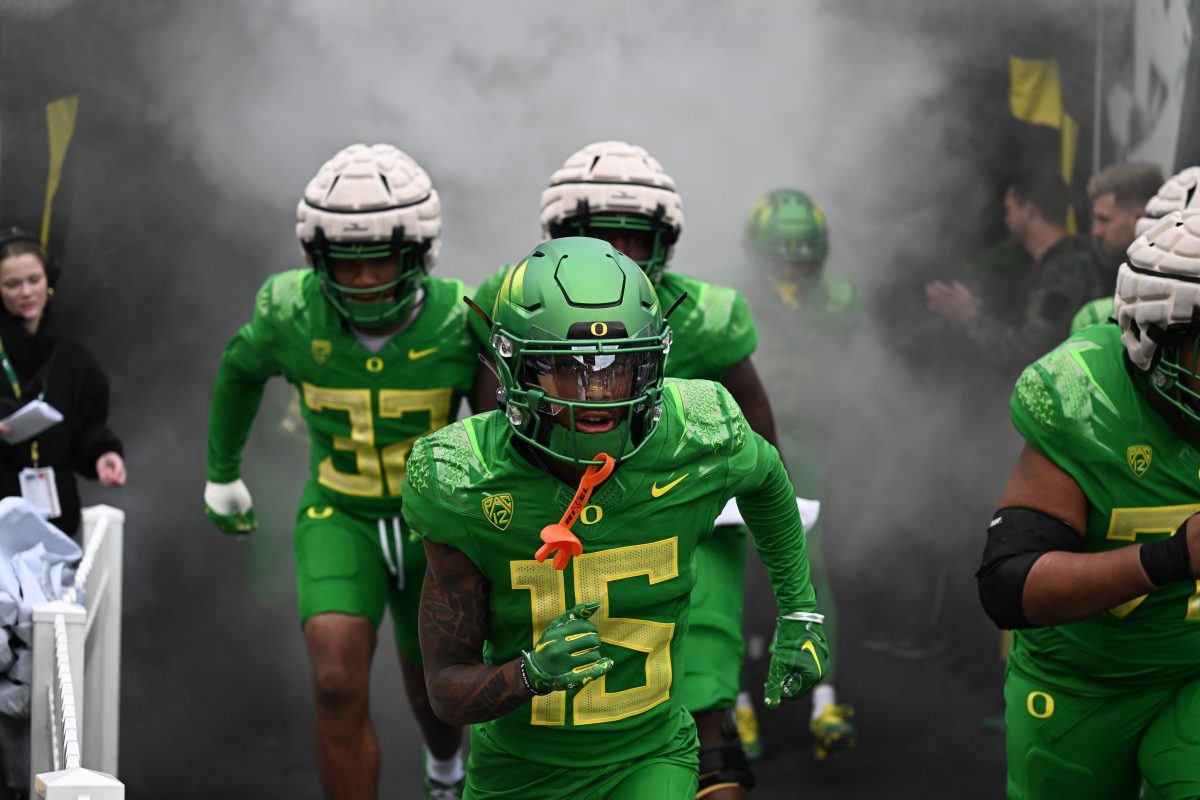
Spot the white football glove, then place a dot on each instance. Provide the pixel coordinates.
(230, 508)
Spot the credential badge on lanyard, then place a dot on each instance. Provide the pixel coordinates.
(39, 488)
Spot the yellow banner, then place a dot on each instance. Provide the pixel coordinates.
(60, 126)
(1035, 96)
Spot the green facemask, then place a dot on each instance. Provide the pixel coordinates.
(374, 314)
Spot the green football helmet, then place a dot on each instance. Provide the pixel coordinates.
(369, 204)
(581, 343)
(788, 230)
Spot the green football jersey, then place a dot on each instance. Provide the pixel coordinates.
(470, 489)
(363, 410)
(803, 358)
(711, 330)
(1084, 409)
(1094, 312)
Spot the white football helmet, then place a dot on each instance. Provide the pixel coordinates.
(614, 185)
(368, 203)
(1157, 305)
(1177, 194)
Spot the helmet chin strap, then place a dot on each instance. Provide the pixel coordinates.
(558, 538)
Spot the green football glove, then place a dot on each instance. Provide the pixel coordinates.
(230, 508)
(567, 655)
(799, 657)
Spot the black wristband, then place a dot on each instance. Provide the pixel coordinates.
(525, 680)
(1168, 560)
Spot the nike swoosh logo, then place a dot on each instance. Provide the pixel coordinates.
(657, 492)
(413, 355)
(325, 514)
(813, 652)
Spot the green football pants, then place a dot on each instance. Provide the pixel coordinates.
(358, 565)
(494, 772)
(1063, 746)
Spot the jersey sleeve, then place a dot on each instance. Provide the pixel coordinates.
(741, 334)
(248, 362)
(434, 475)
(767, 500)
(720, 329)
(1054, 404)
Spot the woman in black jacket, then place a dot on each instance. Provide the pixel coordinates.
(38, 363)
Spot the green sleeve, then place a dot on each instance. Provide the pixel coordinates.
(246, 364)
(767, 501)
(742, 333)
(423, 507)
(1050, 407)
(1094, 312)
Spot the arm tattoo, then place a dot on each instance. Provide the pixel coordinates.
(453, 621)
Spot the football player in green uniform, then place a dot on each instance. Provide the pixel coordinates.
(1094, 555)
(786, 239)
(380, 354)
(572, 664)
(618, 192)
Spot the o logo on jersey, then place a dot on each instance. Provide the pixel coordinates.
(597, 514)
(374, 364)
(1047, 705)
(599, 329)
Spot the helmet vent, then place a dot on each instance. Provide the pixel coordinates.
(387, 187)
(332, 186)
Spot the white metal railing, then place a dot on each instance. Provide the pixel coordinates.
(75, 698)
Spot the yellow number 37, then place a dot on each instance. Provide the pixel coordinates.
(373, 465)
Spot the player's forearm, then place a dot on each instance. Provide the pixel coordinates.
(1066, 587)
(770, 513)
(236, 399)
(453, 626)
(466, 694)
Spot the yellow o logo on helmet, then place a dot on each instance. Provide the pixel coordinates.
(599, 329)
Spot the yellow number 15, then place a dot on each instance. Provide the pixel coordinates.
(594, 572)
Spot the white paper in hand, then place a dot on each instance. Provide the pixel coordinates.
(29, 420)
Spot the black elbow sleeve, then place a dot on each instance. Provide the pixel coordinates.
(1016, 539)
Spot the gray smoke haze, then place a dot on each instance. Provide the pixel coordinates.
(209, 118)
(491, 98)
